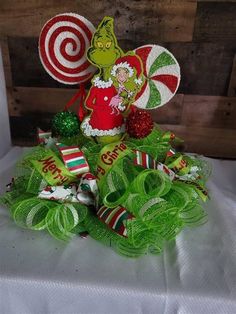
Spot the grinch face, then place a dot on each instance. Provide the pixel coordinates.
(122, 75)
(104, 50)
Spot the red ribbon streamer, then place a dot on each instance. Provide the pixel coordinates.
(82, 94)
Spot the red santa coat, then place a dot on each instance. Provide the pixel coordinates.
(102, 121)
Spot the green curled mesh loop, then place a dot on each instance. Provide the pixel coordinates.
(179, 196)
(33, 213)
(154, 144)
(30, 213)
(120, 182)
(151, 182)
(127, 249)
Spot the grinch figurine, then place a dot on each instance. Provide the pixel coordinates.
(119, 79)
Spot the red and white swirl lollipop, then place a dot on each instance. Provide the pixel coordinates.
(162, 77)
(63, 45)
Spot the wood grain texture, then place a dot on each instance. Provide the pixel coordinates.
(155, 21)
(145, 20)
(232, 82)
(209, 111)
(206, 123)
(215, 22)
(194, 110)
(24, 129)
(6, 61)
(205, 67)
(27, 69)
(30, 15)
(35, 100)
(170, 113)
(213, 142)
(225, 1)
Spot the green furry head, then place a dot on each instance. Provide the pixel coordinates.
(104, 49)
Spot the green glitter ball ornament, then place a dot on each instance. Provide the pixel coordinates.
(65, 124)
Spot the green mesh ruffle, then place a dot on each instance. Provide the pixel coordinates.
(28, 211)
(160, 207)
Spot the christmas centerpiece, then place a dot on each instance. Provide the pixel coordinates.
(108, 171)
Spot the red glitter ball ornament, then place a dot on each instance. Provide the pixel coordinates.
(139, 124)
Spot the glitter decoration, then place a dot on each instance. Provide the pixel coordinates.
(162, 77)
(65, 124)
(63, 45)
(139, 124)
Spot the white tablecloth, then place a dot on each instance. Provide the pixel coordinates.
(195, 274)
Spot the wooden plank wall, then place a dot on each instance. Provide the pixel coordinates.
(201, 34)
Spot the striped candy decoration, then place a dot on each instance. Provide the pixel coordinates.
(146, 161)
(63, 45)
(115, 218)
(170, 153)
(43, 136)
(74, 159)
(162, 77)
(165, 169)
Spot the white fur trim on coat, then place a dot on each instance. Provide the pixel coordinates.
(89, 131)
(125, 65)
(102, 84)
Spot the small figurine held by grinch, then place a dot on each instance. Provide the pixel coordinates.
(125, 71)
(113, 89)
(117, 102)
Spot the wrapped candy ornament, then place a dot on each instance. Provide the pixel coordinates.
(116, 178)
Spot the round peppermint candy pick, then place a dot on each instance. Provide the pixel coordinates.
(162, 77)
(63, 45)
